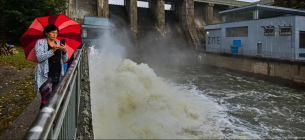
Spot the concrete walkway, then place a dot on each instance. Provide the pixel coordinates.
(23, 121)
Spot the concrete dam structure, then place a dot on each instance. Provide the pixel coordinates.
(161, 37)
(156, 30)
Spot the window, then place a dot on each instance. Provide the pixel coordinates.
(237, 32)
(285, 30)
(118, 2)
(302, 39)
(269, 31)
(143, 4)
(302, 55)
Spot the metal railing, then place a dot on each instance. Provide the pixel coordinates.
(279, 55)
(59, 116)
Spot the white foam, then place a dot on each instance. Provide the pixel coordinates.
(129, 101)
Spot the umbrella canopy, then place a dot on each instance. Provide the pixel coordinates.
(68, 29)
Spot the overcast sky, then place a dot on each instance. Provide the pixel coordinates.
(145, 4)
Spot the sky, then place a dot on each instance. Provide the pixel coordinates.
(145, 4)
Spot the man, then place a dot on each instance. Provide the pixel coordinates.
(9, 46)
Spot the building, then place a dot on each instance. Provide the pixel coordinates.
(263, 30)
(94, 28)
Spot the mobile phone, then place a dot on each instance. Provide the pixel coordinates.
(63, 41)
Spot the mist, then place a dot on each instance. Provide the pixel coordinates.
(130, 101)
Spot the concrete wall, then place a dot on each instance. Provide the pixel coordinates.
(77, 9)
(144, 12)
(183, 9)
(208, 13)
(199, 14)
(300, 26)
(190, 22)
(184, 12)
(158, 11)
(284, 69)
(131, 7)
(213, 38)
(102, 8)
(274, 44)
(216, 9)
(180, 12)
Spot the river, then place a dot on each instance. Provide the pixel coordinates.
(134, 101)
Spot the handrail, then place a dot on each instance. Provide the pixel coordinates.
(68, 88)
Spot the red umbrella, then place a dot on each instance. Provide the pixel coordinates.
(68, 29)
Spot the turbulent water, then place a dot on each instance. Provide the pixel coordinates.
(132, 101)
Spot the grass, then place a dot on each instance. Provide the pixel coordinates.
(18, 60)
(15, 101)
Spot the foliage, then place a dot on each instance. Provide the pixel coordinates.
(19, 14)
(296, 4)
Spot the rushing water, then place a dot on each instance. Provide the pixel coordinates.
(133, 101)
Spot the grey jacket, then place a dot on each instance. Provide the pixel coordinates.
(42, 55)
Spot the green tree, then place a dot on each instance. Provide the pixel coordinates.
(296, 4)
(2, 32)
(19, 14)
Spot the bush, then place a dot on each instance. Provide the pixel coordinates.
(296, 4)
